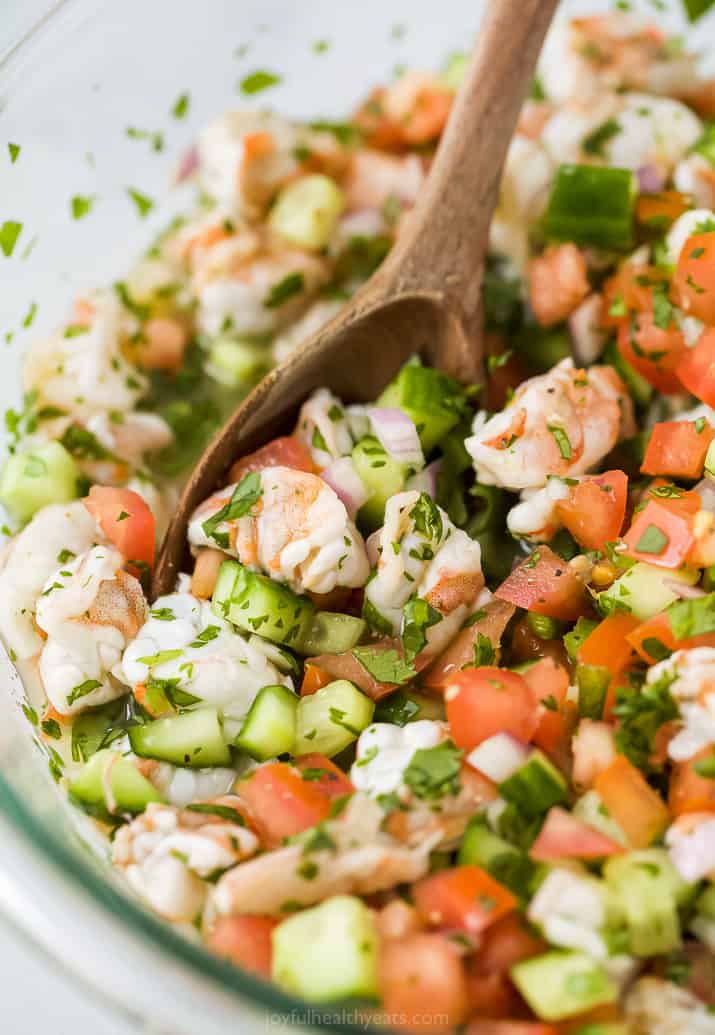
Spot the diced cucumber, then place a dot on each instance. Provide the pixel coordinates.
(710, 462)
(650, 890)
(269, 728)
(643, 590)
(382, 475)
(257, 604)
(563, 984)
(592, 682)
(433, 400)
(505, 862)
(95, 727)
(32, 480)
(331, 633)
(590, 809)
(307, 211)
(190, 739)
(332, 718)
(535, 786)
(232, 362)
(108, 770)
(328, 952)
(402, 707)
(600, 1028)
(455, 70)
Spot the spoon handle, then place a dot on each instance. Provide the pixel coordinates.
(442, 251)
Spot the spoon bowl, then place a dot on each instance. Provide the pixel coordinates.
(425, 299)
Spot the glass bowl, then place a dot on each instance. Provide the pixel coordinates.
(75, 76)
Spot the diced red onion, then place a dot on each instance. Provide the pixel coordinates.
(499, 756)
(684, 591)
(426, 479)
(372, 545)
(397, 434)
(188, 165)
(706, 491)
(347, 484)
(693, 854)
(650, 179)
(588, 339)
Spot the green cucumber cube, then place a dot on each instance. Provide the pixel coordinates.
(331, 633)
(32, 480)
(256, 604)
(332, 718)
(535, 786)
(650, 890)
(307, 211)
(269, 728)
(193, 738)
(233, 363)
(433, 400)
(382, 475)
(643, 590)
(328, 952)
(131, 791)
(558, 984)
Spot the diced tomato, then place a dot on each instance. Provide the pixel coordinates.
(594, 509)
(314, 678)
(464, 898)
(377, 128)
(460, 652)
(661, 210)
(677, 448)
(694, 277)
(324, 775)
(492, 995)
(660, 536)
(347, 666)
(423, 984)
(690, 792)
(545, 584)
(634, 805)
(558, 283)
(282, 802)
(487, 700)
(127, 522)
(245, 941)
(680, 501)
(563, 836)
(549, 681)
(653, 351)
(608, 645)
(653, 639)
(489, 1026)
(696, 369)
(629, 291)
(506, 943)
(286, 451)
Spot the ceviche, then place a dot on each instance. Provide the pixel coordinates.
(429, 721)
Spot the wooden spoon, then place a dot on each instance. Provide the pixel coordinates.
(426, 296)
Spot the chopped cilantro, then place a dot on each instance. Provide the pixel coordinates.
(143, 203)
(208, 634)
(279, 293)
(82, 690)
(181, 106)
(245, 495)
(434, 772)
(257, 81)
(692, 617)
(641, 713)
(9, 233)
(427, 518)
(653, 540)
(81, 205)
(562, 441)
(596, 141)
(163, 614)
(208, 808)
(384, 665)
(14, 151)
(417, 617)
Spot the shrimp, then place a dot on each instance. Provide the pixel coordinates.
(323, 428)
(587, 56)
(691, 843)
(84, 372)
(559, 423)
(184, 642)
(658, 1007)
(527, 175)
(354, 856)
(422, 554)
(692, 685)
(557, 283)
(168, 857)
(536, 516)
(695, 176)
(89, 609)
(56, 534)
(245, 157)
(297, 532)
(384, 751)
(373, 177)
(181, 785)
(420, 103)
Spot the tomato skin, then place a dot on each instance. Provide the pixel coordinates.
(696, 369)
(694, 278)
(548, 680)
(594, 510)
(347, 666)
(489, 1026)
(282, 802)
(506, 943)
(653, 351)
(135, 535)
(677, 448)
(658, 629)
(423, 984)
(333, 782)
(460, 652)
(677, 529)
(285, 451)
(492, 995)
(563, 836)
(690, 792)
(487, 700)
(635, 806)
(544, 583)
(464, 898)
(314, 678)
(245, 941)
(628, 291)
(666, 207)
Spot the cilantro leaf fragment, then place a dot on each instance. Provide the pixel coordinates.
(144, 204)
(248, 491)
(384, 665)
(257, 81)
(9, 233)
(434, 772)
(641, 713)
